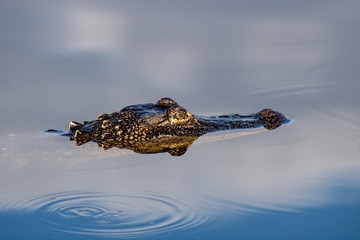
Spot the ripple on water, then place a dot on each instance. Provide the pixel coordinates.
(107, 214)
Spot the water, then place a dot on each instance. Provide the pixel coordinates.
(106, 215)
(72, 60)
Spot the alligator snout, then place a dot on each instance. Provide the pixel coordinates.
(270, 119)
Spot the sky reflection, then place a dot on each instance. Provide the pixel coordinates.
(72, 60)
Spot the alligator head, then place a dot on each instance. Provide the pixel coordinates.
(162, 127)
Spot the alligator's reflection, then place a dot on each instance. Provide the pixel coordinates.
(162, 127)
(176, 146)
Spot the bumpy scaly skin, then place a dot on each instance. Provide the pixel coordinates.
(163, 126)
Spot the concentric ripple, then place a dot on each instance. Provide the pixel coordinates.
(108, 214)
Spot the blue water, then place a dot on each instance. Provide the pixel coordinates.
(335, 222)
(63, 61)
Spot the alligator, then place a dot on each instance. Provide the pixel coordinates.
(163, 126)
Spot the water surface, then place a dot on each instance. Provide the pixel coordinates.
(73, 60)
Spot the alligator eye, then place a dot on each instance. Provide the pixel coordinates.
(180, 115)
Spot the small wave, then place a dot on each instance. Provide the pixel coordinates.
(107, 214)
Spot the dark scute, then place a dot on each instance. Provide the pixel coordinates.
(74, 125)
(81, 137)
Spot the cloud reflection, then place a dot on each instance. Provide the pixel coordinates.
(90, 29)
